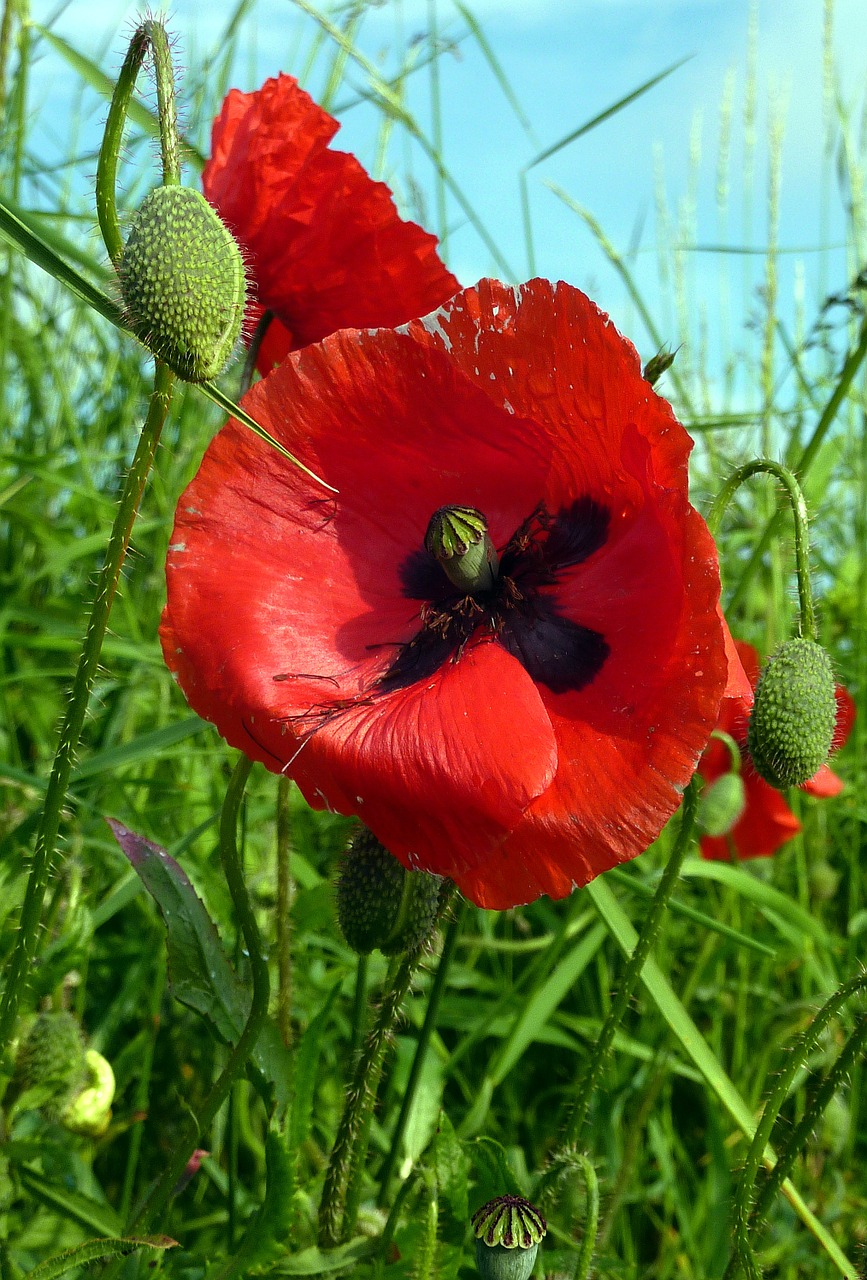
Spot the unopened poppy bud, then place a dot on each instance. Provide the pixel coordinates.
(51, 1057)
(380, 903)
(721, 805)
(508, 1231)
(88, 1110)
(657, 365)
(183, 283)
(458, 538)
(794, 715)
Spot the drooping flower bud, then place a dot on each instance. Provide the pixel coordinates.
(721, 805)
(88, 1110)
(793, 719)
(51, 1058)
(183, 283)
(380, 903)
(508, 1231)
(458, 538)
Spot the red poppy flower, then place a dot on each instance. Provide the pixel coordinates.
(520, 741)
(767, 821)
(325, 245)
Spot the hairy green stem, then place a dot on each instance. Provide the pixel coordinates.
(421, 1050)
(150, 34)
(594, 1064)
(26, 940)
(807, 1042)
(799, 514)
(162, 1191)
(805, 460)
(284, 904)
(347, 1153)
(591, 1218)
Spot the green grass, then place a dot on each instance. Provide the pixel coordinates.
(747, 954)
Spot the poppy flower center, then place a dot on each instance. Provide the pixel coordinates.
(469, 592)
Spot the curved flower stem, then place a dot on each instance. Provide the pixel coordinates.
(590, 1075)
(799, 513)
(163, 1189)
(742, 1257)
(344, 1166)
(150, 34)
(70, 734)
(421, 1050)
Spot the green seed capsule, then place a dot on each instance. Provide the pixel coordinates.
(721, 805)
(380, 903)
(183, 283)
(794, 716)
(508, 1231)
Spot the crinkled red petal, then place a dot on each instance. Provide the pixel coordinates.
(325, 244)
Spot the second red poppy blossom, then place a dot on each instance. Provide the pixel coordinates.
(520, 740)
(327, 249)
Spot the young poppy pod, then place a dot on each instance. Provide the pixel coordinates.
(519, 730)
(508, 1231)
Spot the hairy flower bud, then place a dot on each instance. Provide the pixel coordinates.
(721, 805)
(793, 719)
(183, 283)
(380, 903)
(508, 1231)
(51, 1057)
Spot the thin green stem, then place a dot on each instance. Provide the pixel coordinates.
(162, 1191)
(801, 521)
(594, 1064)
(344, 1164)
(284, 904)
(359, 1005)
(804, 461)
(26, 940)
(148, 35)
(436, 994)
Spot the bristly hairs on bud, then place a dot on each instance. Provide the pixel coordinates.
(379, 903)
(794, 716)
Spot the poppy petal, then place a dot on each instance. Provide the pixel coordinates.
(326, 246)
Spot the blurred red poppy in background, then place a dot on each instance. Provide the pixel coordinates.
(521, 739)
(325, 245)
(767, 821)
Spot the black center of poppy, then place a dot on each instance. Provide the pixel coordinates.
(518, 611)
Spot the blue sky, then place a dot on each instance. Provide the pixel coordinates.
(566, 61)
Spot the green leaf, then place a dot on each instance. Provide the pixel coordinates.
(70, 1204)
(94, 1251)
(492, 1173)
(307, 1059)
(663, 996)
(452, 1168)
(200, 975)
(320, 1262)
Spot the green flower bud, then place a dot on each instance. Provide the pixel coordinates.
(380, 903)
(794, 716)
(51, 1057)
(657, 365)
(508, 1231)
(721, 805)
(88, 1110)
(183, 283)
(458, 538)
